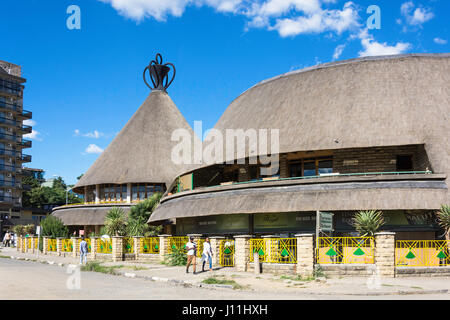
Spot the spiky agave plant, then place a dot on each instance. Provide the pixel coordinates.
(116, 222)
(443, 217)
(367, 222)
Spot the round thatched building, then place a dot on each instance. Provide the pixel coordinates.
(366, 133)
(135, 165)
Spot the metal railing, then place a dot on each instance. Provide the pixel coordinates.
(104, 245)
(177, 243)
(422, 253)
(336, 250)
(25, 143)
(128, 245)
(67, 245)
(226, 253)
(274, 250)
(149, 245)
(51, 245)
(10, 106)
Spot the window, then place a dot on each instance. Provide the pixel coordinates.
(295, 169)
(253, 172)
(309, 168)
(404, 163)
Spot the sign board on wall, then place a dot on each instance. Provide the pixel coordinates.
(324, 221)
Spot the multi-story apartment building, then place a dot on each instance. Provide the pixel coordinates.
(12, 143)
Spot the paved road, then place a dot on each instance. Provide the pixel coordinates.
(33, 280)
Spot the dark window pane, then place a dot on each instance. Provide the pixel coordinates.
(325, 166)
(309, 169)
(404, 163)
(295, 169)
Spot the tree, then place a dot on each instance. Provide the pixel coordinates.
(443, 217)
(139, 215)
(116, 222)
(54, 227)
(80, 176)
(368, 222)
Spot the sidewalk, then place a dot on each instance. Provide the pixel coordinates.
(348, 286)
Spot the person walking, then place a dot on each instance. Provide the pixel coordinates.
(83, 251)
(191, 248)
(207, 254)
(7, 239)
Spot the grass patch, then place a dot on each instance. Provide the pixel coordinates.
(387, 285)
(414, 287)
(296, 278)
(5, 257)
(233, 283)
(97, 267)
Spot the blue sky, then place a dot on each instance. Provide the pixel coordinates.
(83, 85)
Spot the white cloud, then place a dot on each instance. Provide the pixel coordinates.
(93, 148)
(374, 48)
(415, 17)
(320, 21)
(29, 122)
(440, 41)
(338, 51)
(95, 134)
(34, 135)
(292, 17)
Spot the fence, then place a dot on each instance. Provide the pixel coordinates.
(149, 245)
(331, 250)
(104, 245)
(67, 245)
(200, 247)
(274, 250)
(28, 243)
(51, 245)
(128, 245)
(177, 243)
(422, 253)
(226, 253)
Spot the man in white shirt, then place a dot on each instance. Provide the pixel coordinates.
(191, 247)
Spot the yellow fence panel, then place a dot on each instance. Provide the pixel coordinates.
(67, 245)
(422, 253)
(177, 243)
(29, 243)
(51, 245)
(149, 245)
(274, 250)
(200, 243)
(226, 253)
(104, 245)
(353, 250)
(128, 245)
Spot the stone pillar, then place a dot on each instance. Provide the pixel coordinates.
(74, 246)
(117, 248)
(305, 254)
(19, 243)
(385, 254)
(163, 246)
(93, 248)
(59, 246)
(137, 246)
(241, 252)
(215, 247)
(24, 245)
(34, 241)
(45, 245)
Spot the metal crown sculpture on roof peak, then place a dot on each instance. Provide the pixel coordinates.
(159, 73)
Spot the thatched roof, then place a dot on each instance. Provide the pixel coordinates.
(357, 103)
(364, 102)
(85, 215)
(141, 152)
(394, 192)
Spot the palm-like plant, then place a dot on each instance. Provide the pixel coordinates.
(116, 222)
(443, 217)
(139, 215)
(368, 222)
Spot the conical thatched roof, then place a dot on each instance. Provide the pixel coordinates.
(141, 152)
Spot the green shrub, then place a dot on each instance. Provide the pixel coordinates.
(443, 217)
(177, 257)
(53, 227)
(116, 222)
